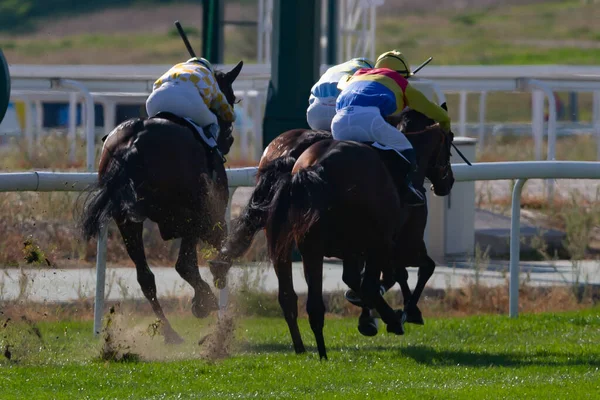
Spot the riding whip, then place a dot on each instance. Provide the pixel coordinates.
(185, 39)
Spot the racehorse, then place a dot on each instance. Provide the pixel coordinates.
(292, 144)
(340, 200)
(157, 168)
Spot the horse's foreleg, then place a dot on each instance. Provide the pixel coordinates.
(132, 236)
(187, 266)
(288, 300)
(413, 314)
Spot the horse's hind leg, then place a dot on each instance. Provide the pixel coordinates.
(132, 236)
(313, 272)
(187, 266)
(288, 300)
(370, 292)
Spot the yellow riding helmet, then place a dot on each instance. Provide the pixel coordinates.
(394, 60)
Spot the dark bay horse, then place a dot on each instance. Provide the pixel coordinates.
(338, 201)
(157, 169)
(334, 204)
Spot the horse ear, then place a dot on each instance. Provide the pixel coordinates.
(233, 74)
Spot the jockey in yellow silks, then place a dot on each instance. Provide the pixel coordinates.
(190, 90)
(371, 95)
(324, 93)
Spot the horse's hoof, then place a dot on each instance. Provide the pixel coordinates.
(368, 327)
(299, 349)
(414, 316)
(219, 269)
(398, 326)
(202, 309)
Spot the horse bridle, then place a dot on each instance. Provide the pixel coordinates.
(443, 166)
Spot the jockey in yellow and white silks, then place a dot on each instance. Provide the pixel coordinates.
(189, 90)
(371, 95)
(324, 93)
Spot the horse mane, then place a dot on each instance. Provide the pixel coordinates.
(430, 128)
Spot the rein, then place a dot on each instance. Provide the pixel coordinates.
(436, 126)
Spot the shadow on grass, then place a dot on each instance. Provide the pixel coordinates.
(430, 356)
(274, 348)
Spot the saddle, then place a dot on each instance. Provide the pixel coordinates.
(198, 131)
(209, 143)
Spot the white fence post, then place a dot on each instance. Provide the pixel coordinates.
(596, 121)
(515, 237)
(537, 122)
(482, 104)
(462, 113)
(90, 117)
(545, 88)
(72, 132)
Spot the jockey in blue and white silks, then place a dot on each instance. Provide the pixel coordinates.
(370, 96)
(324, 93)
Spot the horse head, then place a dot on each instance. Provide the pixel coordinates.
(439, 170)
(225, 81)
(432, 146)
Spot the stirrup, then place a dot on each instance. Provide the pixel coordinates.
(418, 199)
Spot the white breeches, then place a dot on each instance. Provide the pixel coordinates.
(320, 113)
(182, 100)
(365, 124)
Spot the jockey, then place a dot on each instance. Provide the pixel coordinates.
(324, 93)
(370, 96)
(190, 90)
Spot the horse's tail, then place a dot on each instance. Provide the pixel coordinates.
(299, 202)
(254, 216)
(113, 194)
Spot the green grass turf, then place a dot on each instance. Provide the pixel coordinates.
(536, 356)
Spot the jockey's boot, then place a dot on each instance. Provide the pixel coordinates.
(409, 194)
(212, 131)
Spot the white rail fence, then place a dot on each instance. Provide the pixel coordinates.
(521, 171)
(110, 85)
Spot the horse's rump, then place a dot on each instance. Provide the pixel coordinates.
(364, 202)
(168, 168)
(292, 144)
